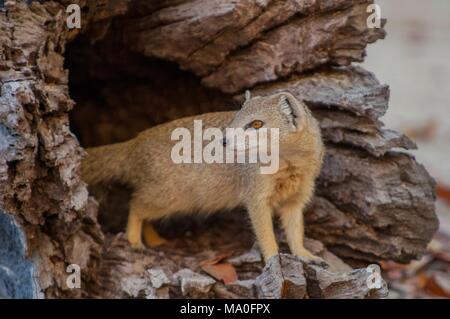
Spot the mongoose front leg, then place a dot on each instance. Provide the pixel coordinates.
(134, 229)
(151, 237)
(261, 218)
(291, 215)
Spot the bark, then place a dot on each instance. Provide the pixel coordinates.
(138, 63)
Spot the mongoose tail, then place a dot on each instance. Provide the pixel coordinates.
(106, 164)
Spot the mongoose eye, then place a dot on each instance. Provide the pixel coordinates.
(256, 124)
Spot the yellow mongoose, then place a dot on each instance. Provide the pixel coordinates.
(163, 188)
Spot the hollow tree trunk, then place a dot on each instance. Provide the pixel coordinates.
(137, 63)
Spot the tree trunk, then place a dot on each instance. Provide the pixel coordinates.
(137, 63)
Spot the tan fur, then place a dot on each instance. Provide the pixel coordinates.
(163, 188)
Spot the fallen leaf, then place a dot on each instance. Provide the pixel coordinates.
(220, 270)
(223, 271)
(434, 285)
(422, 277)
(443, 280)
(443, 192)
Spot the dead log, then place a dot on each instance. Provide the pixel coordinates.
(139, 63)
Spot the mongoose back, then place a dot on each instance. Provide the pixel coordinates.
(162, 187)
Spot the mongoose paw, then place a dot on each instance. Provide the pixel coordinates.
(317, 261)
(308, 258)
(138, 246)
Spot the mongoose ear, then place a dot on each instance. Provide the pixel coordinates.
(290, 109)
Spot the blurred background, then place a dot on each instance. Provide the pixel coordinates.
(414, 60)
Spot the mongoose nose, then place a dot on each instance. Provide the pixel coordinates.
(224, 141)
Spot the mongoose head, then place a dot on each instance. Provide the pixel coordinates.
(281, 111)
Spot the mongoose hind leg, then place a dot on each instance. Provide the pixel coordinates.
(151, 237)
(138, 228)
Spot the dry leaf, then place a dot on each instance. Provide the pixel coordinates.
(223, 271)
(422, 277)
(434, 285)
(443, 192)
(219, 270)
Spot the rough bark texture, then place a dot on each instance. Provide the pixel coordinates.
(371, 203)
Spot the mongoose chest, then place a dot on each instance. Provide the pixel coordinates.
(288, 184)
